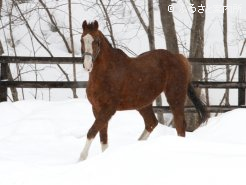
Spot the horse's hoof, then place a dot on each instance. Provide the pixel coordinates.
(144, 135)
(82, 157)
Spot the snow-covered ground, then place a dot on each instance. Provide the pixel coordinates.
(40, 143)
(128, 32)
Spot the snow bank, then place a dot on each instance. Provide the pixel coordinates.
(229, 128)
(40, 143)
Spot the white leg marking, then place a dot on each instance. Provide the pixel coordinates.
(85, 151)
(104, 147)
(144, 135)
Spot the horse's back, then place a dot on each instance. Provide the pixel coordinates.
(174, 67)
(155, 54)
(164, 58)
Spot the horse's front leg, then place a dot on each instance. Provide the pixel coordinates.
(100, 124)
(103, 132)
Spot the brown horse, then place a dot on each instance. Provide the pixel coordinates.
(118, 82)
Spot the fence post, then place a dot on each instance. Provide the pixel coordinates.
(3, 76)
(241, 79)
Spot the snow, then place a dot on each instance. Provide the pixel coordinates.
(40, 143)
(128, 33)
(218, 132)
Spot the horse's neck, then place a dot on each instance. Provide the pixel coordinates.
(108, 57)
(107, 53)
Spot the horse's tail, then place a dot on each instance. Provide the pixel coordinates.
(198, 103)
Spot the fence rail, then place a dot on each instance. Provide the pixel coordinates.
(70, 60)
(240, 84)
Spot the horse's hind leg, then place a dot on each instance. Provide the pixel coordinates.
(176, 99)
(149, 120)
(179, 121)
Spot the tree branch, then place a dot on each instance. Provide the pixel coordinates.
(30, 29)
(55, 24)
(139, 16)
(110, 28)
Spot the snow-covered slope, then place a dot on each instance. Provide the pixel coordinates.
(40, 143)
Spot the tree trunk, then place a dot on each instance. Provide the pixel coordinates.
(1, 5)
(13, 90)
(1, 48)
(7, 72)
(228, 71)
(196, 51)
(151, 38)
(168, 26)
(72, 45)
(10, 77)
(150, 32)
(241, 52)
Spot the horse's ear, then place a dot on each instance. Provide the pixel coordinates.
(96, 25)
(84, 25)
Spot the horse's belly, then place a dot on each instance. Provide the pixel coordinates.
(129, 96)
(137, 101)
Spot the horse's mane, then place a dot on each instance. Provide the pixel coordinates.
(105, 38)
(92, 27)
(119, 51)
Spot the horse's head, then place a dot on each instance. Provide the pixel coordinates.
(90, 44)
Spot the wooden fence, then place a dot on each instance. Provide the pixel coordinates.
(240, 84)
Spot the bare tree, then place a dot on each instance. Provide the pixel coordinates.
(149, 29)
(244, 43)
(108, 21)
(225, 98)
(8, 72)
(72, 45)
(39, 41)
(1, 5)
(30, 29)
(1, 46)
(228, 70)
(168, 26)
(13, 89)
(53, 22)
(196, 51)
(197, 33)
